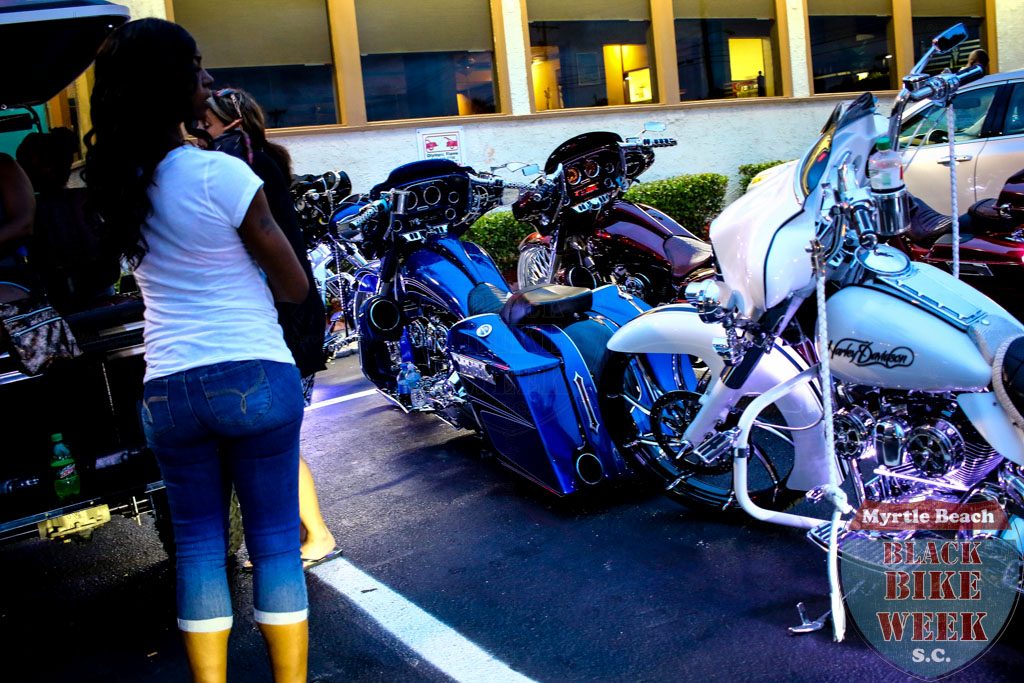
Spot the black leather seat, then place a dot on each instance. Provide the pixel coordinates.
(486, 298)
(686, 254)
(1011, 375)
(551, 304)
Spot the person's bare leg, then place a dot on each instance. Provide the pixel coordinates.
(288, 647)
(318, 539)
(207, 655)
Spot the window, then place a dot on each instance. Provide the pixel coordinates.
(423, 59)
(1014, 124)
(591, 53)
(851, 45)
(970, 108)
(280, 52)
(932, 17)
(727, 48)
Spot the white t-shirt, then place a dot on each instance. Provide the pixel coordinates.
(206, 299)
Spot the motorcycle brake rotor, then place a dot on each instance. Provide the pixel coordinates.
(670, 415)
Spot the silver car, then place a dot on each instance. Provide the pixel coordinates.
(989, 130)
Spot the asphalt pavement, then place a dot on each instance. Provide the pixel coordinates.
(627, 586)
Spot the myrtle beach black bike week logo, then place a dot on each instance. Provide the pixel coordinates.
(930, 585)
(863, 354)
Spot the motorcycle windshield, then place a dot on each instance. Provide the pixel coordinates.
(761, 239)
(416, 171)
(579, 145)
(816, 161)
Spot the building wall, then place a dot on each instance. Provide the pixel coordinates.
(712, 138)
(1010, 33)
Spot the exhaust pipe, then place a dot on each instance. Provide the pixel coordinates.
(589, 469)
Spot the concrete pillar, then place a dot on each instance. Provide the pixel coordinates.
(1009, 22)
(516, 35)
(799, 45)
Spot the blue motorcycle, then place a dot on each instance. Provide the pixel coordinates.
(441, 332)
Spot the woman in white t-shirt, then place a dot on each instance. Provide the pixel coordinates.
(222, 403)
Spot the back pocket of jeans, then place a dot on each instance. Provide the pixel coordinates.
(238, 393)
(155, 410)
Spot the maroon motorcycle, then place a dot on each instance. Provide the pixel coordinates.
(588, 236)
(991, 243)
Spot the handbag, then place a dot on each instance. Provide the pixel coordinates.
(36, 338)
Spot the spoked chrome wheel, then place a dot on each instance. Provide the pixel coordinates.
(340, 327)
(534, 262)
(649, 401)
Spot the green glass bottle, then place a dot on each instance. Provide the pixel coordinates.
(65, 475)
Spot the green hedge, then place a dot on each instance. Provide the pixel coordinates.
(693, 200)
(748, 171)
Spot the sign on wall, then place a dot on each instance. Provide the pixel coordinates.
(441, 143)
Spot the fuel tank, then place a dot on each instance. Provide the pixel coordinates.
(1012, 196)
(446, 272)
(644, 228)
(910, 332)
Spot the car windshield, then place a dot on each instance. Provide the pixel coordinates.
(928, 126)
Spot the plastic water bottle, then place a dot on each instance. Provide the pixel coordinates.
(65, 476)
(416, 396)
(404, 390)
(885, 167)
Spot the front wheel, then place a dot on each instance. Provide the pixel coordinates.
(649, 400)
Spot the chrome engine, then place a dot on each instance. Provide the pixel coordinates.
(634, 284)
(907, 444)
(427, 334)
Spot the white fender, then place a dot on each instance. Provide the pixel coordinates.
(676, 329)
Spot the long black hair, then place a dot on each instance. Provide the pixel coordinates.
(146, 78)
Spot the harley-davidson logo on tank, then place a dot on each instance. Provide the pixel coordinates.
(863, 354)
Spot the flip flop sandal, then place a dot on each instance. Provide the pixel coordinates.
(308, 564)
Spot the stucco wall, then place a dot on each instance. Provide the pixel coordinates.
(715, 138)
(1010, 30)
(145, 8)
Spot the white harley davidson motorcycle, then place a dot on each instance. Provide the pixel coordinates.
(722, 399)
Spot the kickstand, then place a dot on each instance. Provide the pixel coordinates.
(806, 625)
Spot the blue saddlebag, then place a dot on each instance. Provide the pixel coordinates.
(520, 395)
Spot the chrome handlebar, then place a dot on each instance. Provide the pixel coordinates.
(917, 87)
(371, 210)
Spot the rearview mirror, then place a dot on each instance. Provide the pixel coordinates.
(654, 126)
(950, 38)
(532, 169)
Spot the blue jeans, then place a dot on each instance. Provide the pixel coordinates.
(211, 427)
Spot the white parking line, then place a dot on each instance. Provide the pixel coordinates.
(341, 399)
(444, 647)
